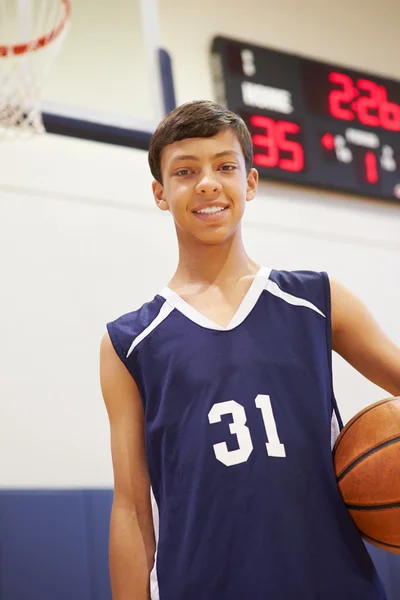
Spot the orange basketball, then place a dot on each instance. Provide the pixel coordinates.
(367, 465)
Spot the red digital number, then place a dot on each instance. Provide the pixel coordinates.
(268, 141)
(371, 167)
(388, 111)
(337, 97)
(275, 141)
(367, 103)
(296, 163)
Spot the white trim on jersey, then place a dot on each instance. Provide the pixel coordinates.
(260, 283)
(248, 303)
(251, 298)
(165, 310)
(154, 589)
(335, 429)
(274, 289)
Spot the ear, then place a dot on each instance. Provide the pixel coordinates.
(158, 193)
(252, 184)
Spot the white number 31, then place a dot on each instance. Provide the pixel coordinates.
(239, 428)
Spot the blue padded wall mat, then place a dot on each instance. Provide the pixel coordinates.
(100, 502)
(44, 546)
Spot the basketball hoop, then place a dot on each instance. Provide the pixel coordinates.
(25, 64)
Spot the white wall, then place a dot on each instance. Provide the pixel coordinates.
(82, 242)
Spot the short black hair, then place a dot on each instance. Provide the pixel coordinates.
(197, 119)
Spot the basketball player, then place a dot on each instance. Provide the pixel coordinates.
(220, 400)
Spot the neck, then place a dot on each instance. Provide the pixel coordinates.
(216, 264)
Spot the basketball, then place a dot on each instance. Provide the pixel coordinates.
(367, 465)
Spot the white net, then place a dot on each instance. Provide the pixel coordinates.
(31, 33)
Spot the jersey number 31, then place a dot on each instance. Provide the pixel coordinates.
(239, 428)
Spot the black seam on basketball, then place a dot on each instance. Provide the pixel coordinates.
(361, 507)
(365, 455)
(359, 417)
(368, 537)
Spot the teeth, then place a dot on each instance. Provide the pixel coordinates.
(212, 210)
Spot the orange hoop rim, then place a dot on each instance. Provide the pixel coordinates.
(42, 41)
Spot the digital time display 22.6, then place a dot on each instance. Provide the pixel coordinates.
(313, 123)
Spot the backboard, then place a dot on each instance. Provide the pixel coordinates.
(111, 81)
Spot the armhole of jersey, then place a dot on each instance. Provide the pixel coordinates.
(327, 293)
(122, 355)
(115, 341)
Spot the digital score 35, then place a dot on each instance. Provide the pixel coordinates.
(311, 122)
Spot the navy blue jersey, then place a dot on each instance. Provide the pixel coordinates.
(239, 427)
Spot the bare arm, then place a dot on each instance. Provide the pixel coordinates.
(132, 542)
(357, 337)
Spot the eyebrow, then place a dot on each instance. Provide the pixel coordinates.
(193, 157)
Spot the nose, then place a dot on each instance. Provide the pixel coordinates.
(208, 185)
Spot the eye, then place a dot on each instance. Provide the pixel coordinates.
(182, 172)
(228, 168)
